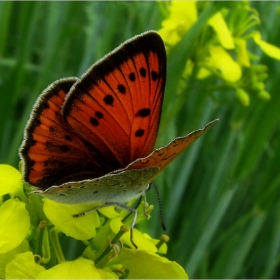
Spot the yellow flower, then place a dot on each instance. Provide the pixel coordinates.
(14, 224)
(220, 61)
(81, 228)
(23, 266)
(221, 47)
(10, 181)
(269, 49)
(141, 264)
(242, 53)
(183, 14)
(143, 241)
(77, 269)
(220, 26)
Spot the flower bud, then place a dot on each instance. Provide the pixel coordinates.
(258, 86)
(264, 95)
(242, 97)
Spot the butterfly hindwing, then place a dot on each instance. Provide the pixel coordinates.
(124, 184)
(163, 156)
(121, 186)
(119, 99)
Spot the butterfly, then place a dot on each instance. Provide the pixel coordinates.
(91, 140)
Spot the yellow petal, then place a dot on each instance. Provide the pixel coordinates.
(110, 212)
(163, 247)
(141, 264)
(219, 25)
(183, 12)
(9, 256)
(14, 224)
(139, 239)
(243, 58)
(61, 215)
(269, 49)
(10, 180)
(203, 73)
(23, 266)
(77, 269)
(182, 16)
(222, 61)
(169, 35)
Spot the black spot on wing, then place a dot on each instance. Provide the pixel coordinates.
(94, 121)
(121, 89)
(132, 77)
(99, 115)
(140, 132)
(68, 138)
(155, 75)
(143, 72)
(108, 99)
(144, 112)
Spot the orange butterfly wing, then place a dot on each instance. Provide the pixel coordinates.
(116, 105)
(123, 185)
(88, 128)
(51, 153)
(163, 156)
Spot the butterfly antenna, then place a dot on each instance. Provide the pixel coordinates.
(160, 207)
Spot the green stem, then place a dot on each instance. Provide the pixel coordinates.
(102, 259)
(56, 246)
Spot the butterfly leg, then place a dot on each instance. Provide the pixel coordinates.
(123, 206)
(145, 204)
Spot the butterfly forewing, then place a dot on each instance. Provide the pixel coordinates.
(117, 104)
(51, 152)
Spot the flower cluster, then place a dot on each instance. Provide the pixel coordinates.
(30, 246)
(221, 49)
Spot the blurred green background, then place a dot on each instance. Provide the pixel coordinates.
(220, 198)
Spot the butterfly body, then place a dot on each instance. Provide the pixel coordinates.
(91, 140)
